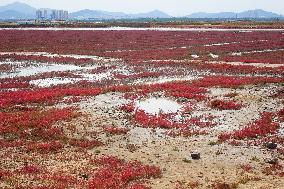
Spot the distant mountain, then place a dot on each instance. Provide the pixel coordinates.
(10, 14)
(97, 14)
(17, 11)
(257, 13)
(152, 14)
(212, 15)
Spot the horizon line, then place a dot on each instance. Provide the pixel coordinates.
(152, 10)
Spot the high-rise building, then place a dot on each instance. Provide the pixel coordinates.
(45, 14)
(53, 15)
(65, 15)
(59, 15)
(39, 15)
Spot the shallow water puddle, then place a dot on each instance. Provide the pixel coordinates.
(24, 69)
(194, 56)
(214, 55)
(40, 68)
(158, 105)
(46, 54)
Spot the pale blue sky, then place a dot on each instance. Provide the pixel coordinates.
(173, 7)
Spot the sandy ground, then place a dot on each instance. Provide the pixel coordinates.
(220, 162)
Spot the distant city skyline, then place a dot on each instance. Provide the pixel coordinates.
(172, 7)
(42, 14)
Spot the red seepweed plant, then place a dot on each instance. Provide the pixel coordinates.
(260, 128)
(225, 105)
(115, 173)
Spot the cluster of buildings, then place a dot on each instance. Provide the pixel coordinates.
(51, 15)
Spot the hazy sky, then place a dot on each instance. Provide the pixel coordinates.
(173, 7)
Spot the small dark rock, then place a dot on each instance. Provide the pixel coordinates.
(195, 156)
(84, 176)
(183, 100)
(272, 161)
(271, 145)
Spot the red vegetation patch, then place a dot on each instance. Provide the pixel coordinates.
(138, 75)
(29, 169)
(46, 96)
(115, 173)
(85, 143)
(233, 82)
(35, 129)
(275, 57)
(40, 58)
(54, 133)
(161, 120)
(5, 174)
(260, 128)
(45, 147)
(6, 67)
(10, 144)
(281, 114)
(275, 169)
(183, 89)
(72, 100)
(195, 89)
(225, 105)
(14, 84)
(166, 121)
(180, 90)
(128, 107)
(226, 68)
(246, 167)
(20, 122)
(160, 45)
